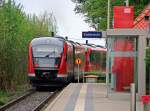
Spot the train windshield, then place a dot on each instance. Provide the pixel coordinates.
(50, 51)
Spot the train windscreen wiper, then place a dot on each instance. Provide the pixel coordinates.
(47, 55)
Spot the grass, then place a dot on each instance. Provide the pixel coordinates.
(6, 96)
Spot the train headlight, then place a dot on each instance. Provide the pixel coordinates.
(36, 62)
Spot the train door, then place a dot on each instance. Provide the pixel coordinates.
(70, 63)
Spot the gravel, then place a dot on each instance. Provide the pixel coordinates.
(29, 103)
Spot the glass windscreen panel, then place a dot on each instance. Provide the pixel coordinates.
(47, 55)
(47, 51)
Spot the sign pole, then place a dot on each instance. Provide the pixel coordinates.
(83, 77)
(127, 3)
(78, 62)
(78, 73)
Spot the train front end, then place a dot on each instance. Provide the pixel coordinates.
(45, 57)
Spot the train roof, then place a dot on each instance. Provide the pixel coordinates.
(47, 40)
(72, 42)
(60, 37)
(58, 40)
(95, 47)
(100, 49)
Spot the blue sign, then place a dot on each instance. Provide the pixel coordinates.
(91, 34)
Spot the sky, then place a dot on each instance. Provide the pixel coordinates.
(68, 23)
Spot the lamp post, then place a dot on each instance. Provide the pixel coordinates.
(108, 15)
(107, 56)
(127, 3)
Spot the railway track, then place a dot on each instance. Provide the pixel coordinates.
(31, 101)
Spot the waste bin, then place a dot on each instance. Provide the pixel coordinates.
(91, 78)
(146, 102)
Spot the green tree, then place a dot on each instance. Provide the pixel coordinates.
(95, 11)
(147, 70)
(148, 56)
(16, 31)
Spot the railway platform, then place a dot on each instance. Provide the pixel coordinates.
(88, 97)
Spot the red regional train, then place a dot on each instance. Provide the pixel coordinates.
(52, 61)
(95, 58)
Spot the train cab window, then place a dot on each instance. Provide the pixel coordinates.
(92, 56)
(47, 51)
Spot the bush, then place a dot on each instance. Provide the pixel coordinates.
(148, 56)
(147, 70)
(16, 30)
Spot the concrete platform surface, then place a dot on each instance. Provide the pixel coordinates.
(88, 97)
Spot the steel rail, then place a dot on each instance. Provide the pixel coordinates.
(49, 98)
(13, 102)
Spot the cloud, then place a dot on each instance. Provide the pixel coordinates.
(69, 23)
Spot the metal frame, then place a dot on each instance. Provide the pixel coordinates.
(141, 39)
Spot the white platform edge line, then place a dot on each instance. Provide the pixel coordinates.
(56, 99)
(80, 103)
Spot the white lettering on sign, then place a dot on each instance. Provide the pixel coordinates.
(127, 10)
(96, 34)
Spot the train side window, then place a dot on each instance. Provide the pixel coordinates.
(66, 57)
(92, 56)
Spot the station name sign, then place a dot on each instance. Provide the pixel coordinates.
(91, 34)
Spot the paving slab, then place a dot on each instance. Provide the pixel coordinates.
(88, 97)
